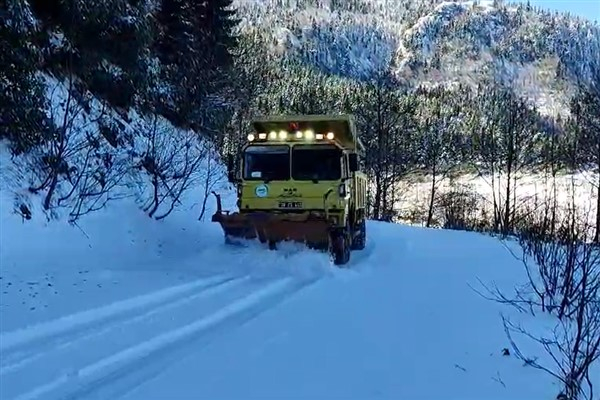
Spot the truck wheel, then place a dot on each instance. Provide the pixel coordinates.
(340, 247)
(233, 241)
(360, 239)
(230, 240)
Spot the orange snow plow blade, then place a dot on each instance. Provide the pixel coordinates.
(309, 228)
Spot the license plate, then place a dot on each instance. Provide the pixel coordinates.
(290, 204)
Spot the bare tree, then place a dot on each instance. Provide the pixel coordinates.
(586, 110)
(251, 70)
(551, 159)
(386, 118)
(563, 270)
(171, 161)
(565, 283)
(505, 142)
(76, 168)
(437, 139)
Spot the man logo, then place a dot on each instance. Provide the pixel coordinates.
(290, 192)
(261, 191)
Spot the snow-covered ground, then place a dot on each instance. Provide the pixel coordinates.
(127, 307)
(532, 192)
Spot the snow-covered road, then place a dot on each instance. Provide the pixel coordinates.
(85, 351)
(400, 322)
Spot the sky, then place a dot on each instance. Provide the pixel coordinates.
(585, 8)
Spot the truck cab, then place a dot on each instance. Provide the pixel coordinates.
(304, 169)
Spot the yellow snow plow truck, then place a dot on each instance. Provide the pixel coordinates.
(299, 179)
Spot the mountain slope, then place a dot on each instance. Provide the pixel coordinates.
(541, 53)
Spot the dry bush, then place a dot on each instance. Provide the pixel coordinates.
(76, 169)
(458, 209)
(171, 162)
(562, 264)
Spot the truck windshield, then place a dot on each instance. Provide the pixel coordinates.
(268, 163)
(314, 164)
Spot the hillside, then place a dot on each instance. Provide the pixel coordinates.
(95, 107)
(483, 95)
(433, 42)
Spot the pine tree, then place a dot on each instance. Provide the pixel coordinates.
(195, 45)
(22, 94)
(216, 20)
(105, 44)
(174, 36)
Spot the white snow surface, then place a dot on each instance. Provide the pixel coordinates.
(124, 307)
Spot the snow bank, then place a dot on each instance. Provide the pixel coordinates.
(49, 266)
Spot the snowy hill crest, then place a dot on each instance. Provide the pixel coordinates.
(432, 42)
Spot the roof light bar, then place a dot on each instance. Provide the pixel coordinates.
(307, 134)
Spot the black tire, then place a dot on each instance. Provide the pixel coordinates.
(230, 240)
(234, 241)
(340, 248)
(360, 239)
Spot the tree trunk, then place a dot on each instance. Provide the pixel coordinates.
(432, 198)
(507, 202)
(53, 183)
(377, 205)
(597, 236)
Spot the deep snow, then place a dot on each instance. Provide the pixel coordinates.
(140, 309)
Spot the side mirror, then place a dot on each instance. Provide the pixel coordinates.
(353, 162)
(230, 168)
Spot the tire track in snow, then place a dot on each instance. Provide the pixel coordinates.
(70, 324)
(114, 375)
(63, 342)
(63, 363)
